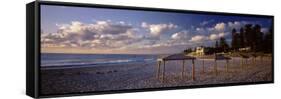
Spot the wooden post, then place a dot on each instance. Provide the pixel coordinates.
(203, 66)
(254, 61)
(193, 70)
(163, 73)
(227, 65)
(241, 60)
(261, 59)
(157, 66)
(158, 69)
(216, 70)
(182, 73)
(246, 61)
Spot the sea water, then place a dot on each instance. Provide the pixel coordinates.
(59, 60)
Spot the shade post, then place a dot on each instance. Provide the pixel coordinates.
(182, 73)
(163, 73)
(193, 70)
(203, 65)
(241, 62)
(254, 61)
(261, 59)
(216, 70)
(227, 63)
(158, 69)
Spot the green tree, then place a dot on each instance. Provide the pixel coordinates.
(241, 38)
(187, 51)
(235, 40)
(217, 49)
(258, 38)
(268, 41)
(249, 35)
(223, 45)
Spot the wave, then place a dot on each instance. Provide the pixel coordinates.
(90, 64)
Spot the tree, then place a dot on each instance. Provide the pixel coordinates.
(268, 41)
(241, 38)
(217, 44)
(223, 45)
(187, 51)
(249, 35)
(257, 38)
(217, 47)
(235, 40)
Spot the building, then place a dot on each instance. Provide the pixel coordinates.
(245, 49)
(200, 50)
(204, 51)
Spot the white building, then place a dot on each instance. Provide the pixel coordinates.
(245, 49)
(200, 50)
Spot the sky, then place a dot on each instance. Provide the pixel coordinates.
(66, 29)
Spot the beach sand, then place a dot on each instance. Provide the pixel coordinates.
(143, 75)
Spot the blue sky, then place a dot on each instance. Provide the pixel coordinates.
(96, 30)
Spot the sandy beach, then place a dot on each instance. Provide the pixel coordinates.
(143, 75)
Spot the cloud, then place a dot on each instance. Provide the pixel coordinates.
(206, 22)
(198, 38)
(264, 30)
(98, 35)
(122, 36)
(176, 36)
(157, 29)
(180, 35)
(213, 36)
(237, 24)
(217, 36)
(220, 26)
(219, 30)
(176, 40)
(207, 34)
(200, 30)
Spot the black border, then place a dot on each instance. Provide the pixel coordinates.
(38, 48)
(30, 67)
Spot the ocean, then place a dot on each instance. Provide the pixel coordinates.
(58, 60)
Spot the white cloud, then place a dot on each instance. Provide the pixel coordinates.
(206, 22)
(236, 25)
(220, 26)
(144, 25)
(198, 38)
(117, 35)
(180, 35)
(202, 38)
(157, 29)
(217, 36)
(264, 30)
(101, 34)
(176, 39)
(176, 36)
(122, 22)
